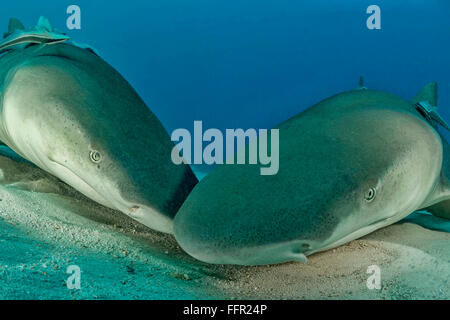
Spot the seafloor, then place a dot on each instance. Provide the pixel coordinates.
(45, 227)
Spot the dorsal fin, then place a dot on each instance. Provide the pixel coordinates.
(13, 25)
(361, 84)
(44, 25)
(428, 93)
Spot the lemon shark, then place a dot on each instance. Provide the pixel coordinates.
(349, 165)
(70, 113)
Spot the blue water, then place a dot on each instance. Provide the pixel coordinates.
(256, 63)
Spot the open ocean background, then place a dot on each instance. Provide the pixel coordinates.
(253, 64)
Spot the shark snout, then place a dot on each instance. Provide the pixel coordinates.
(263, 254)
(144, 214)
(119, 196)
(209, 244)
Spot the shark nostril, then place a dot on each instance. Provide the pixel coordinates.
(134, 209)
(305, 246)
(301, 248)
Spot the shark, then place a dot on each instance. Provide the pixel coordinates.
(349, 165)
(67, 111)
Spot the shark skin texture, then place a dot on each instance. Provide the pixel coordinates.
(73, 115)
(349, 165)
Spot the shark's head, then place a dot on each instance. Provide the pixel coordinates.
(74, 116)
(343, 174)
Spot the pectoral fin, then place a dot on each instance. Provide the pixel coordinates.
(440, 209)
(441, 195)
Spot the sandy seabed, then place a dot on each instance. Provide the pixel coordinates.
(45, 227)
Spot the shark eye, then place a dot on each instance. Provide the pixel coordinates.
(95, 156)
(370, 194)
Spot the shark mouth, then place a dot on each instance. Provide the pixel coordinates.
(360, 232)
(71, 178)
(144, 214)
